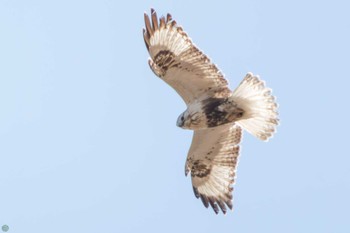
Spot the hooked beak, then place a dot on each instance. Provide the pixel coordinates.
(180, 122)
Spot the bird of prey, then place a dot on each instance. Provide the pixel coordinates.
(216, 114)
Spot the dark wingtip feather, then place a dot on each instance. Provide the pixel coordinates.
(154, 19)
(162, 22)
(173, 23)
(222, 206)
(195, 190)
(205, 201)
(229, 204)
(148, 25)
(168, 17)
(214, 205)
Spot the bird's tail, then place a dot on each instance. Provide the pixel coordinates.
(260, 108)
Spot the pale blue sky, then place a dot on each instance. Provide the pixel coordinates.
(88, 141)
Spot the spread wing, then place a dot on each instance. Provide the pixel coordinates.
(176, 60)
(212, 161)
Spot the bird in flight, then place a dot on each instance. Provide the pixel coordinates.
(216, 114)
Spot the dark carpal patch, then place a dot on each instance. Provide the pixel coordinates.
(165, 59)
(200, 169)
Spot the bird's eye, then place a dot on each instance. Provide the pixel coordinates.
(182, 118)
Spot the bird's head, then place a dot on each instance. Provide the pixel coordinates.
(181, 120)
(188, 120)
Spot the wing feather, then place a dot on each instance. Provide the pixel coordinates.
(176, 60)
(213, 165)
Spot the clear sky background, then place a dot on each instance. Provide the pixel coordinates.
(88, 141)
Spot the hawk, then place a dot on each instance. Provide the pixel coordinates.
(216, 114)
